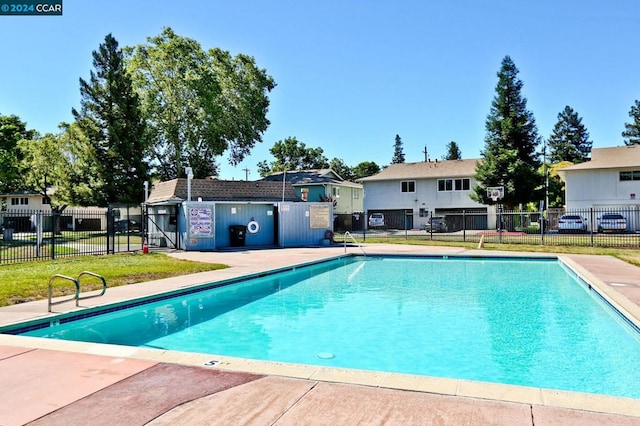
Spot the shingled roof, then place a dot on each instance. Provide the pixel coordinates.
(426, 170)
(311, 177)
(609, 158)
(175, 191)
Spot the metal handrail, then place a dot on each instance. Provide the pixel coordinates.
(104, 286)
(75, 296)
(347, 233)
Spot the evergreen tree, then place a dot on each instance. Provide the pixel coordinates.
(631, 134)
(111, 120)
(453, 152)
(570, 139)
(509, 154)
(398, 154)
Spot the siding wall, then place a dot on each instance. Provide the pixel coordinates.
(295, 225)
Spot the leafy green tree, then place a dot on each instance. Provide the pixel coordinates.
(111, 120)
(453, 152)
(570, 138)
(81, 182)
(12, 131)
(44, 165)
(198, 104)
(398, 153)
(631, 133)
(341, 168)
(290, 154)
(509, 155)
(556, 188)
(364, 169)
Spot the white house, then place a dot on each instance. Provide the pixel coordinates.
(416, 190)
(610, 180)
(25, 200)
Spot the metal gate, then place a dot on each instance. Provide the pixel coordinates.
(162, 226)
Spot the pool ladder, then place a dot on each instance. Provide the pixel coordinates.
(76, 282)
(348, 234)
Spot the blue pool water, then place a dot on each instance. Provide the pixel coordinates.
(524, 322)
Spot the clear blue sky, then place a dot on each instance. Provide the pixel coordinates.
(353, 74)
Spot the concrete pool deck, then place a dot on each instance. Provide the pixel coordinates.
(59, 382)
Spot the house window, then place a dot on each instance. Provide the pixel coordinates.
(423, 213)
(408, 186)
(445, 185)
(626, 176)
(335, 191)
(304, 194)
(461, 184)
(46, 200)
(356, 194)
(454, 184)
(19, 201)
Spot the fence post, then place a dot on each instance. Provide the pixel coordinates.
(464, 226)
(592, 224)
(54, 213)
(500, 223)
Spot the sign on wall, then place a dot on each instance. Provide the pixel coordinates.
(200, 223)
(319, 216)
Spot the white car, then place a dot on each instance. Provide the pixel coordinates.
(612, 222)
(376, 219)
(571, 223)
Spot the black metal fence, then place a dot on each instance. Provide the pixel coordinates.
(594, 227)
(29, 235)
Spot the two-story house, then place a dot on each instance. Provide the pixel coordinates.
(610, 180)
(408, 193)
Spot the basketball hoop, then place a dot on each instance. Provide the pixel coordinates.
(495, 193)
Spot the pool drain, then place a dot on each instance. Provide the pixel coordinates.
(325, 355)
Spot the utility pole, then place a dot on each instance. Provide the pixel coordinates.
(426, 154)
(246, 174)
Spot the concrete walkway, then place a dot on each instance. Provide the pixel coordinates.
(49, 382)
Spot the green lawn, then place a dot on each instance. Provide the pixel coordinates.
(30, 281)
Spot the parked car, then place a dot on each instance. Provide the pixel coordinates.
(612, 222)
(376, 219)
(127, 225)
(436, 224)
(572, 223)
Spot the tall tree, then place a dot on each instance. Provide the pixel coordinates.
(509, 155)
(340, 167)
(290, 154)
(364, 169)
(12, 131)
(570, 138)
(44, 165)
(631, 133)
(198, 103)
(453, 152)
(111, 119)
(398, 153)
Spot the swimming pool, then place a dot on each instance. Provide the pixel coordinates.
(516, 321)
